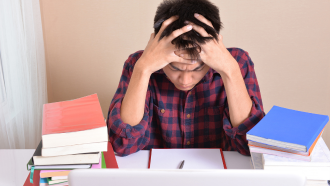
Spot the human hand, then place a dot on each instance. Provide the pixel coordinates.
(213, 53)
(160, 53)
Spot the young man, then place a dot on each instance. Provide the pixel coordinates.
(168, 99)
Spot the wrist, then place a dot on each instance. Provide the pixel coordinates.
(141, 68)
(229, 70)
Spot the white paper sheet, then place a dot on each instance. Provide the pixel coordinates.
(193, 159)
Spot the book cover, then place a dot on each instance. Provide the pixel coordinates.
(288, 128)
(73, 115)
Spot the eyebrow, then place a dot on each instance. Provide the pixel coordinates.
(176, 68)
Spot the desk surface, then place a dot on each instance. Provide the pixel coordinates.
(13, 163)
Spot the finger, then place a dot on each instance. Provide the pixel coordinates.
(220, 37)
(203, 19)
(198, 29)
(179, 31)
(166, 23)
(182, 60)
(185, 56)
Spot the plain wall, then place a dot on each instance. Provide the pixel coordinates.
(88, 41)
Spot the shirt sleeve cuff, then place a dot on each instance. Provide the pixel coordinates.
(255, 116)
(125, 130)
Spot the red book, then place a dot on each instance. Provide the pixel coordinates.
(73, 122)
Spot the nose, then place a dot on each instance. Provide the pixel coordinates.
(185, 78)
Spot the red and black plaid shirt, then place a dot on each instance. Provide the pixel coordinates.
(172, 118)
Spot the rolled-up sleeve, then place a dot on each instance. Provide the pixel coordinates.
(127, 139)
(237, 135)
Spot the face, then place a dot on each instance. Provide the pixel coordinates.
(185, 76)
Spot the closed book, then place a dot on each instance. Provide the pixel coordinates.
(288, 128)
(108, 161)
(90, 158)
(53, 182)
(37, 152)
(317, 169)
(261, 150)
(59, 178)
(73, 122)
(60, 173)
(75, 149)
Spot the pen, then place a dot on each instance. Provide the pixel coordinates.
(182, 163)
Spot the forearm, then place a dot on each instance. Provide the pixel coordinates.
(133, 104)
(239, 101)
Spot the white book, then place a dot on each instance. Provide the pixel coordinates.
(59, 178)
(317, 169)
(75, 138)
(52, 182)
(91, 158)
(75, 149)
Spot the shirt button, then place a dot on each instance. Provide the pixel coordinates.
(188, 142)
(188, 115)
(162, 111)
(189, 93)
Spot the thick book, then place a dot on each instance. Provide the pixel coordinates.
(75, 149)
(288, 128)
(59, 173)
(88, 158)
(317, 169)
(188, 158)
(37, 152)
(73, 122)
(279, 151)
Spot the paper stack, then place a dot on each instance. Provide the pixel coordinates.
(74, 135)
(284, 136)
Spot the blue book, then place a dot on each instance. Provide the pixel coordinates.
(288, 128)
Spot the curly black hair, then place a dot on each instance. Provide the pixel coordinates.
(186, 9)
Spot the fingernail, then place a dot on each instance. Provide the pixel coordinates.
(196, 15)
(193, 61)
(186, 22)
(189, 27)
(181, 55)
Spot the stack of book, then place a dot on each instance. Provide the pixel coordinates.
(290, 140)
(74, 135)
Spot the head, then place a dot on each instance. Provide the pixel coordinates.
(186, 76)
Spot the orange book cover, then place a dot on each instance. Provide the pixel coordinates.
(72, 116)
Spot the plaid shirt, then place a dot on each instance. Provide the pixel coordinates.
(198, 118)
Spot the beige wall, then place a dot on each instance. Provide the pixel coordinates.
(87, 42)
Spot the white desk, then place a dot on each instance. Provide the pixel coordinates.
(13, 163)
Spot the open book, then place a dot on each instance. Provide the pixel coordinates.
(193, 159)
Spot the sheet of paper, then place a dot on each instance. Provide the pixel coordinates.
(193, 159)
(138, 160)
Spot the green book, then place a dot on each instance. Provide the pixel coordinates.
(103, 162)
